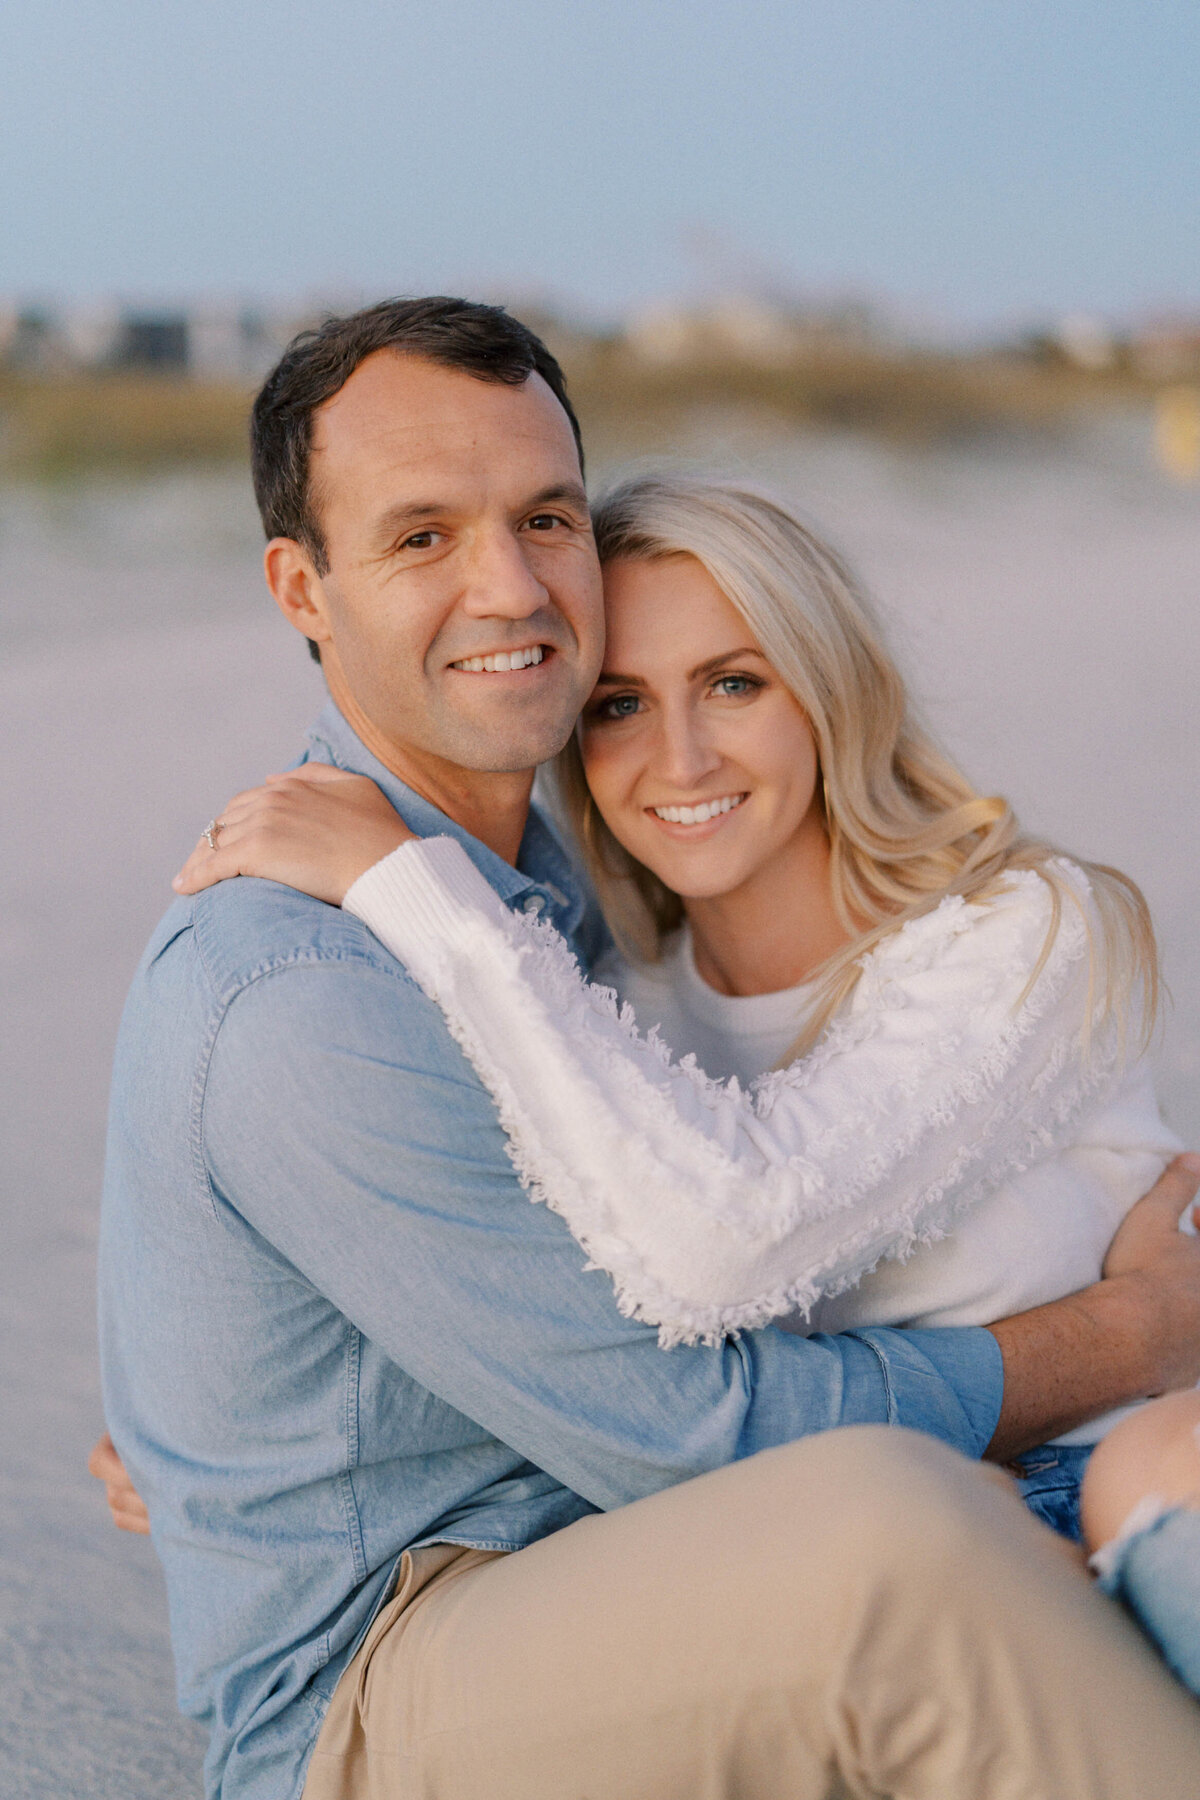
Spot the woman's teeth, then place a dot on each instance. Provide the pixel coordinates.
(697, 815)
(503, 659)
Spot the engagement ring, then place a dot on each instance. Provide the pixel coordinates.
(210, 832)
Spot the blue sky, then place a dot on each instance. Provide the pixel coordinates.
(976, 161)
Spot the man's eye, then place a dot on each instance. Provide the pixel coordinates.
(420, 540)
(545, 521)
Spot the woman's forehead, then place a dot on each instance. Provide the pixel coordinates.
(668, 611)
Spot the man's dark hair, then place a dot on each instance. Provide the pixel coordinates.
(484, 341)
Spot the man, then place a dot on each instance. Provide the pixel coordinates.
(435, 1519)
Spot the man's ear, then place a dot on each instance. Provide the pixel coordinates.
(297, 589)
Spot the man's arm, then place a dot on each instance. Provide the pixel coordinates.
(341, 1122)
(1134, 1334)
(346, 1127)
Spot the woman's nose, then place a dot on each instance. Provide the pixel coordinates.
(688, 756)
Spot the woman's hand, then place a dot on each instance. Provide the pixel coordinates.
(316, 829)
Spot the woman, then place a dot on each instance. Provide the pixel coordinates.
(957, 1115)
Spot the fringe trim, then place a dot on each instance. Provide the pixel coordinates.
(1020, 1113)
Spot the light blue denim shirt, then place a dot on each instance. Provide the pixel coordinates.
(333, 1325)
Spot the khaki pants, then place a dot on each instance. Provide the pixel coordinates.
(863, 1613)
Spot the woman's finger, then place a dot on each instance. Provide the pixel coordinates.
(123, 1500)
(313, 771)
(104, 1463)
(136, 1522)
(205, 866)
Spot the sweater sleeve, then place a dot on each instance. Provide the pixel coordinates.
(714, 1209)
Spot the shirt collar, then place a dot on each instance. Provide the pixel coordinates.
(543, 879)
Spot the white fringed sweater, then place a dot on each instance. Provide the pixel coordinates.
(954, 1150)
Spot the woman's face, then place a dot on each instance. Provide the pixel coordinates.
(701, 762)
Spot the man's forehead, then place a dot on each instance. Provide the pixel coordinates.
(406, 412)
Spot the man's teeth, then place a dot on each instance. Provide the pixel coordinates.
(503, 659)
(698, 815)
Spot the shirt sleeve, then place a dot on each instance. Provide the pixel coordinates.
(716, 1210)
(342, 1125)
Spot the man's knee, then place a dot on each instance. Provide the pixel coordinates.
(892, 1500)
(876, 1469)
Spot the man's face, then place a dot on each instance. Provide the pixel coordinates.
(457, 535)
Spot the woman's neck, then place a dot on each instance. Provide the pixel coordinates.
(776, 929)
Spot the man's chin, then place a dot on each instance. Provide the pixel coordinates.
(510, 752)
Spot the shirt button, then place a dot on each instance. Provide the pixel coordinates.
(533, 903)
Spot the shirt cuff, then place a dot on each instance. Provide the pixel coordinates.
(948, 1382)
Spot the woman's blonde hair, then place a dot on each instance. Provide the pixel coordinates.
(905, 826)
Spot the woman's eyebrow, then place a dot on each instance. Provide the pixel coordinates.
(714, 662)
(610, 678)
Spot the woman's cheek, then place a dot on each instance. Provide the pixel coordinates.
(604, 767)
(613, 779)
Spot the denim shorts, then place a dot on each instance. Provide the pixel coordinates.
(1155, 1572)
(1050, 1479)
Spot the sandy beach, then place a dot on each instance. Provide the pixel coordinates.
(1046, 603)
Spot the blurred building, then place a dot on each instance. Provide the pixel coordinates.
(211, 340)
(27, 337)
(1167, 348)
(1087, 341)
(746, 328)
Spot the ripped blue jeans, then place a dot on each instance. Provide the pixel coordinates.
(1152, 1568)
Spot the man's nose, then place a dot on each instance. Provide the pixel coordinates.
(500, 582)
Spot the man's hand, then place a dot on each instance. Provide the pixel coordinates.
(1131, 1335)
(1161, 1264)
(124, 1502)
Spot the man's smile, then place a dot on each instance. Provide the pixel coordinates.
(500, 662)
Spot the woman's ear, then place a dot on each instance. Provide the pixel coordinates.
(296, 586)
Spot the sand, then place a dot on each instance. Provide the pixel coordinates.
(1050, 610)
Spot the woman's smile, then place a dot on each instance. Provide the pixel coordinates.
(689, 821)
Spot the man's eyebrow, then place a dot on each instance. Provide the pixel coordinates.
(570, 492)
(409, 512)
(413, 512)
(610, 678)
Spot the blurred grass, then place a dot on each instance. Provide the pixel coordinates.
(53, 427)
(58, 426)
(907, 398)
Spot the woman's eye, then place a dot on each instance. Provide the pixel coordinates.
(621, 706)
(734, 687)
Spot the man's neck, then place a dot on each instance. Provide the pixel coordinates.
(492, 806)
